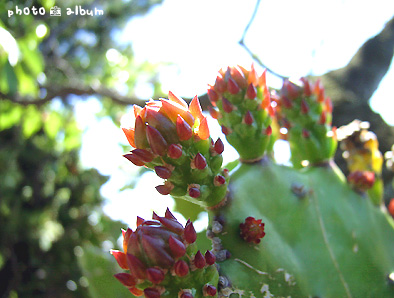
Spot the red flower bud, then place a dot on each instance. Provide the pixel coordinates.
(200, 161)
(248, 118)
(126, 279)
(134, 159)
(156, 141)
(232, 86)
(155, 275)
(151, 293)
(209, 290)
(251, 92)
(190, 233)
(210, 258)
(183, 129)
(213, 96)
(194, 192)
(178, 249)
(181, 268)
(199, 260)
(174, 151)
(227, 106)
(219, 180)
(163, 172)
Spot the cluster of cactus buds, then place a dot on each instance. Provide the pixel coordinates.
(311, 215)
(173, 139)
(242, 106)
(163, 260)
(305, 113)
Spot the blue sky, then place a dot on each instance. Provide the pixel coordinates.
(194, 39)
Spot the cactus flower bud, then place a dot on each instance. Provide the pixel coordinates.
(173, 139)
(159, 255)
(244, 101)
(302, 110)
(252, 230)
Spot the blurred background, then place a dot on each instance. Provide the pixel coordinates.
(67, 81)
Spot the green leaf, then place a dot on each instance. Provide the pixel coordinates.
(53, 124)
(12, 80)
(98, 268)
(10, 114)
(32, 121)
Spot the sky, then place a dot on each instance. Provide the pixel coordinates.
(194, 39)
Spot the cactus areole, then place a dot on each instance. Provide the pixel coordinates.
(304, 230)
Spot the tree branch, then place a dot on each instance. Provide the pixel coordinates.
(246, 48)
(75, 90)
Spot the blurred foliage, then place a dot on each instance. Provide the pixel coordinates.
(54, 237)
(49, 207)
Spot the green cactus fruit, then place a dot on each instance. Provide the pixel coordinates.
(163, 261)
(173, 140)
(306, 113)
(243, 108)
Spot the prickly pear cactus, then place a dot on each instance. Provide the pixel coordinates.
(304, 230)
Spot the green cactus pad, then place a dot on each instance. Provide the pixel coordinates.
(322, 239)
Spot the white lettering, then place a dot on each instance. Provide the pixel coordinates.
(26, 11)
(98, 12)
(18, 10)
(41, 10)
(10, 13)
